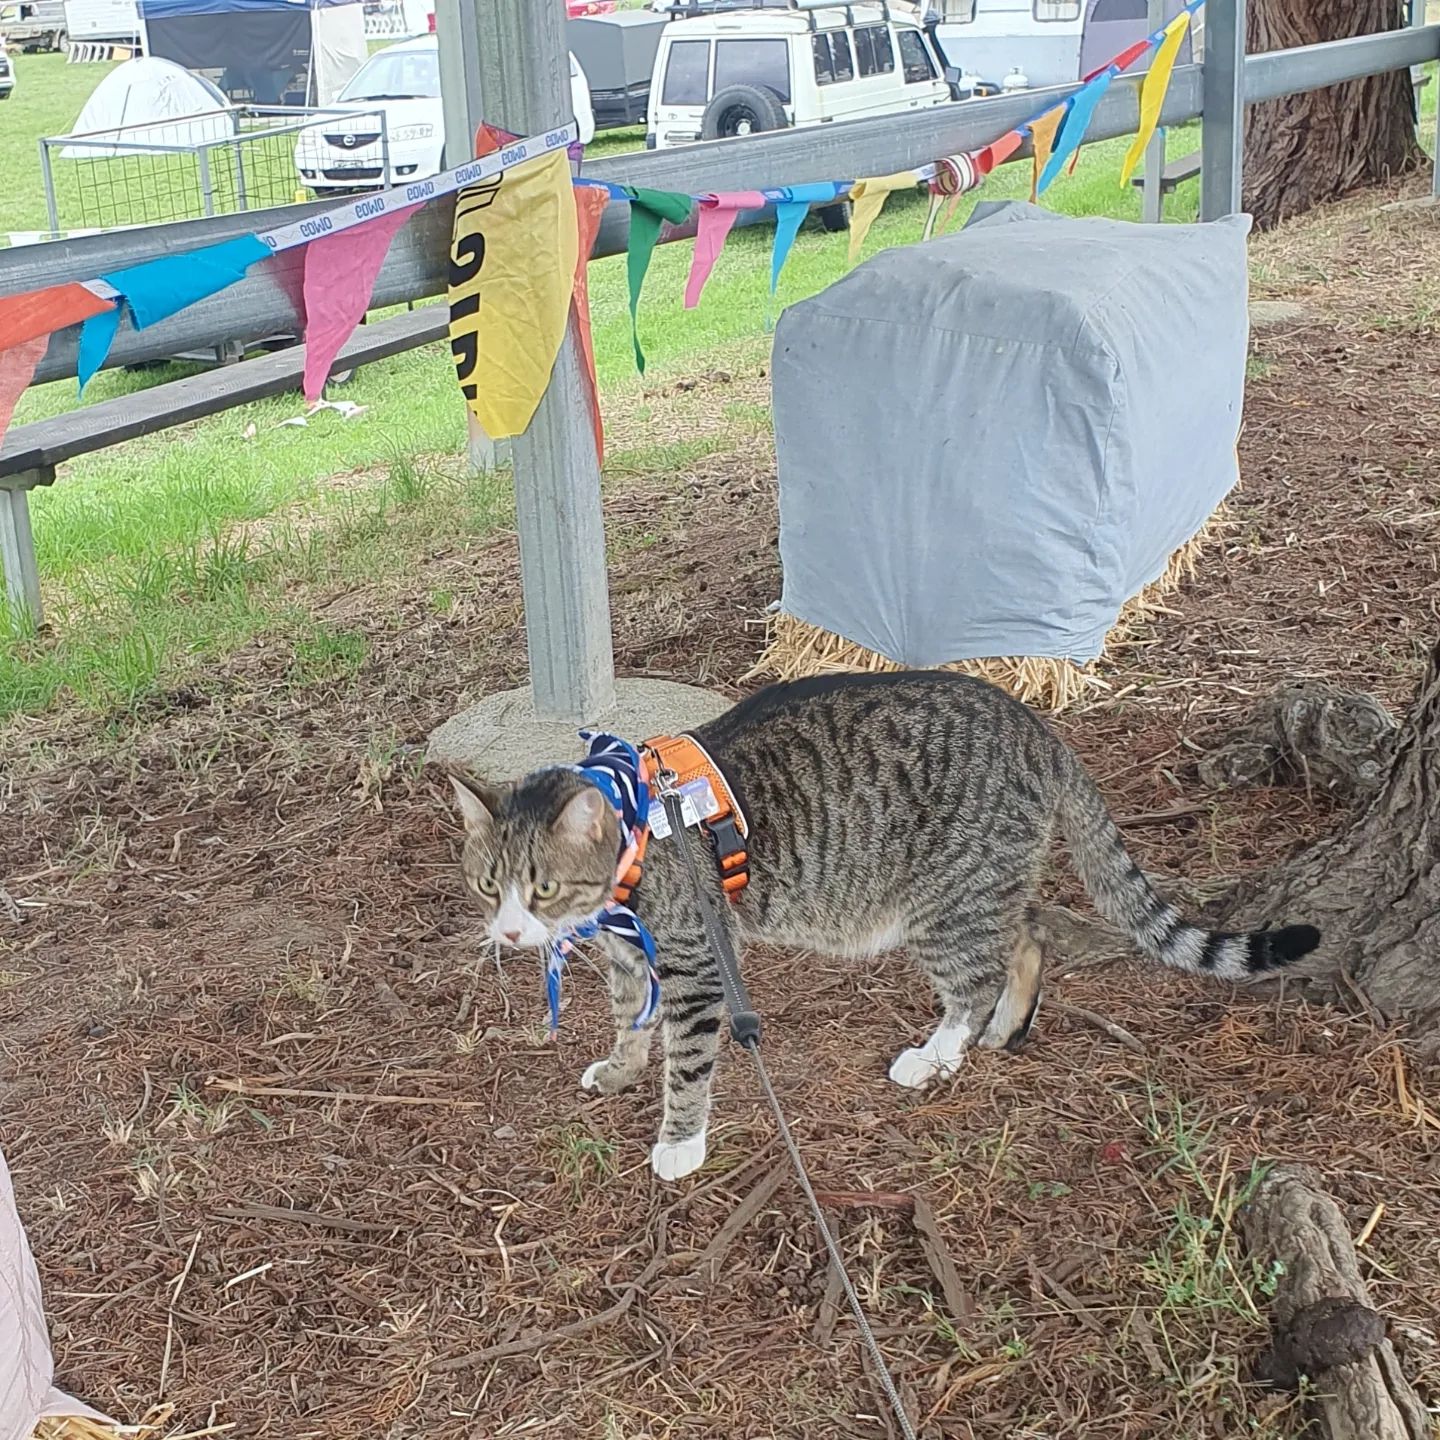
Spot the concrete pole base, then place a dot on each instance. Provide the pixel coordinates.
(502, 739)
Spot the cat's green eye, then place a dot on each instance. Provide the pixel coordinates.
(546, 889)
(486, 885)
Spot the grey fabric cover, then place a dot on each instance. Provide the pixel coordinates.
(989, 442)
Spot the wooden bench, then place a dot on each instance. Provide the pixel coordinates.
(1175, 174)
(30, 453)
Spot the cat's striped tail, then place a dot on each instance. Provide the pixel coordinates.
(1125, 897)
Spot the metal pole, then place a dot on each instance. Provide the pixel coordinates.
(460, 99)
(1152, 207)
(51, 208)
(524, 75)
(207, 192)
(1223, 112)
(239, 143)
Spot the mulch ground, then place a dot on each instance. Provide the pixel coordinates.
(294, 1161)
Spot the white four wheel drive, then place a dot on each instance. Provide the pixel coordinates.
(740, 72)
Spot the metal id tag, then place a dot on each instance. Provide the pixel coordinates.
(697, 803)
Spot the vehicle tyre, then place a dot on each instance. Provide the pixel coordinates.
(835, 218)
(742, 110)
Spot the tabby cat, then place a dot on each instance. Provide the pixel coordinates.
(912, 810)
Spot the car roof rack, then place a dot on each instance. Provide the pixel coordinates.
(689, 9)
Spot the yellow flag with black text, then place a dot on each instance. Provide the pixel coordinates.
(512, 271)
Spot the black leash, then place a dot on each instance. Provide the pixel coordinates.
(745, 1031)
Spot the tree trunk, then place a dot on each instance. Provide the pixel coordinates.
(1374, 888)
(1305, 149)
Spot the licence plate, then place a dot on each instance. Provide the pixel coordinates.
(353, 165)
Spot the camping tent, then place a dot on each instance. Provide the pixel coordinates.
(268, 52)
(149, 102)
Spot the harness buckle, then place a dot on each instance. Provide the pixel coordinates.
(730, 854)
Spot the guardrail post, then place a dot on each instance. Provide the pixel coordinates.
(1223, 115)
(523, 68)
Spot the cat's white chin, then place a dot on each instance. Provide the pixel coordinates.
(675, 1162)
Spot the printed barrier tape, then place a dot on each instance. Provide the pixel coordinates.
(357, 212)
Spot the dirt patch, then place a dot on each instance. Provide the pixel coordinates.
(245, 1015)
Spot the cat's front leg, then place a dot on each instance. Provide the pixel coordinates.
(691, 1006)
(629, 994)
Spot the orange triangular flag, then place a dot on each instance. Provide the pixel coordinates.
(39, 312)
(1042, 136)
(590, 203)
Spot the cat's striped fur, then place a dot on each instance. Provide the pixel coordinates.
(885, 810)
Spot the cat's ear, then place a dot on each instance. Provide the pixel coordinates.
(475, 801)
(584, 818)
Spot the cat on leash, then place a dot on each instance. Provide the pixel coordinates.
(910, 810)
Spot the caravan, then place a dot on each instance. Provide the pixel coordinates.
(1034, 43)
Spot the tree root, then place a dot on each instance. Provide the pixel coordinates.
(1310, 733)
(1325, 1331)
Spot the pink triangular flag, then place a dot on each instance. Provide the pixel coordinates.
(340, 271)
(717, 218)
(17, 369)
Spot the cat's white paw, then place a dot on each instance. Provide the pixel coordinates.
(608, 1078)
(674, 1162)
(917, 1067)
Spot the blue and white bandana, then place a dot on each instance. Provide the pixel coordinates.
(613, 767)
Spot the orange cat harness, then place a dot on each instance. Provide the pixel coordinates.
(672, 762)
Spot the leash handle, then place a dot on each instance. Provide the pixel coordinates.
(744, 1022)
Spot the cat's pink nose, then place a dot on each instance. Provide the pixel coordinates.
(513, 936)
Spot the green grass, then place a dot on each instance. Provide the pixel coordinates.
(48, 98)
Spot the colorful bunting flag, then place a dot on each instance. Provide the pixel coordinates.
(649, 210)
(589, 211)
(39, 312)
(718, 214)
(17, 369)
(792, 204)
(1077, 122)
(512, 275)
(954, 176)
(868, 198)
(1153, 91)
(340, 271)
(999, 151)
(159, 288)
(1042, 139)
(1122, 62)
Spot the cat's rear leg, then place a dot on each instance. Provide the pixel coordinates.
(1015, 1011)
(629, 995)
(966, 962)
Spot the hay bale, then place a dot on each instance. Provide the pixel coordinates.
(795, 649)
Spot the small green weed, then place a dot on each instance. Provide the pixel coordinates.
(581, 1159)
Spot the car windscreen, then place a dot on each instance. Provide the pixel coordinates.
(397, 75)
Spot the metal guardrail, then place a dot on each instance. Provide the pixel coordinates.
(260, 304)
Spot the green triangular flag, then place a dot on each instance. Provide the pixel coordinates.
(649, 209)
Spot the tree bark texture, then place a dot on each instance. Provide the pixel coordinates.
(1305, 149)
(1324, 1327)
(1373, 888)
